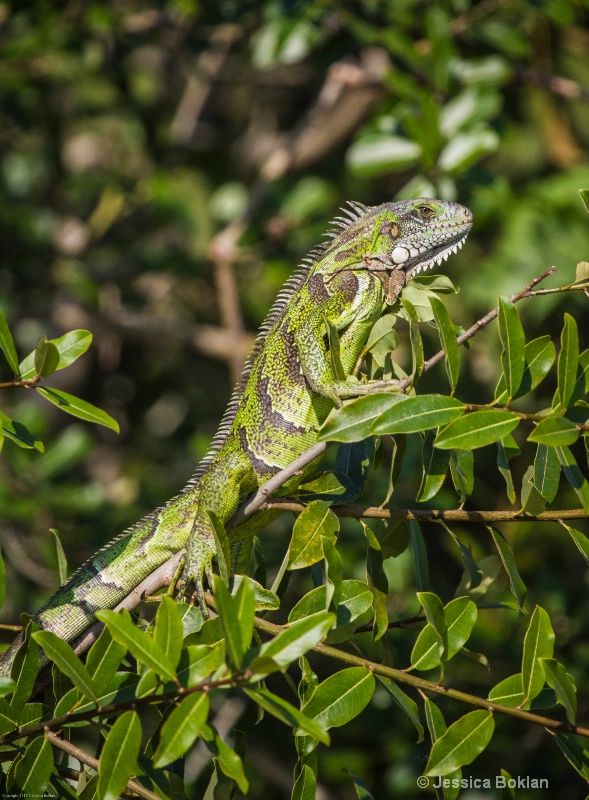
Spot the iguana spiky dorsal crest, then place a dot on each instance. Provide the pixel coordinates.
(355, 212)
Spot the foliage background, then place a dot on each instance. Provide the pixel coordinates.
(133, 135)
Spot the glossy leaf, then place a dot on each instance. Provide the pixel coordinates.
(228, 760)
(448, 341)
(46, 357)
(462, 472)
(470, 565)
(467, 148)
(77, 407)
(293, 642)
(118, 760)
(435, 468)
(305, 785)
(460, 616)
(574, 475)
(568, 360)
(418, 357)
(168, 631)
(563, 684)
(513, 339)
(237, 618)
(506, 450)
(477, 429)
(419, 557)
(546, 472)
(315, 521)
(575, 753)
(378, 154)
(341, 697)
(377, 581)
(290, 715)
(7, 343)
(461, 743)
(33, 771)
(516, 584)
(19, 434)
(24, 671)
(419, 413)
(103, 659)
(554, 431)
(355, 420)
(405, 703)
(538, 644)
(69, 347)
(580, 540)
(137, 642)
(67, 661)
(181, 729)
(433, 609)
(509, 692)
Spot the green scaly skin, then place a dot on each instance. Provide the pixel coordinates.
(286, 392)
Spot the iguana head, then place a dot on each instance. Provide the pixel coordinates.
(397, 240)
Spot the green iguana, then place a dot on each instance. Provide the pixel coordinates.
(287, 389)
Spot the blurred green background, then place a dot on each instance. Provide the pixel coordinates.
(165, 166)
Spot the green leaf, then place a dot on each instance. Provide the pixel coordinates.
(546, 472)
(447, 336)
(7, 343)
(341, 697)
(33, 771)
(580, 540)
(538, 643)
(434, 612)
(168, 631)
(465, 149)
(305, 785)
(24, 671)
(61, 558)
(315, 521)
(568, 361)
(470, 565)
(415, 337)
(460, 616)
(353, 609)
(435, 468)
(237, 618)
(46, 357)
(228, 760)
(419, 413)
(511, 333)
(405, 703)
(563, 684)
(461, 743)
(264, 599)
(67, 661)
(516, 584)
(575, 753)
(78, 408)
(574, 475)
(379, 153)
(509, 692)
(506, 450)
(18, 433)
(288, 714)
(69, 347)
(585, 198)
(362, 790)
(477, 429)
(181, 729)
(540, 354)
(293, 642)
(419, 557)
(354, 421)
(333, 575)
(377, 582)
(103, 659)
(222, 547)
(137, 642)
(554, 432)
(118, 760)
(462, 472)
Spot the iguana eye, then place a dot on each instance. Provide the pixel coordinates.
(425, 211)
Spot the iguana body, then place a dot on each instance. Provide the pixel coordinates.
(287, 390)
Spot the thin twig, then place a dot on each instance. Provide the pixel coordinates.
(431, 514)
(90, 761)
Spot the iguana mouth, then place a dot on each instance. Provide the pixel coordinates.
(414, 264)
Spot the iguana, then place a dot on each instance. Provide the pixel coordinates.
(287, 389)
